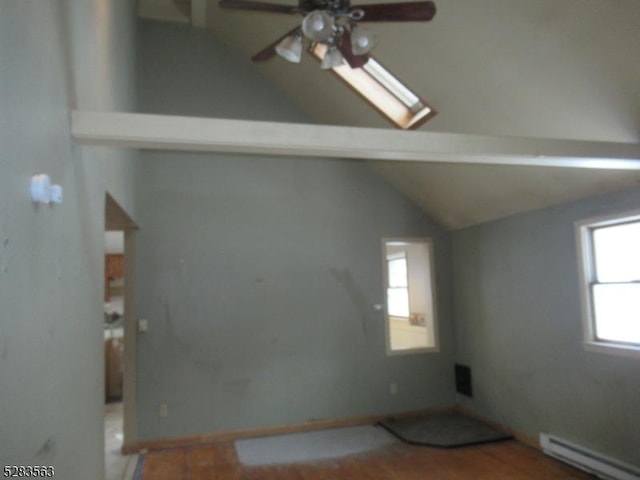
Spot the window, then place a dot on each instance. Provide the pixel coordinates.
(383, 91)
(409, 280)
(398, 288)
(610, 269)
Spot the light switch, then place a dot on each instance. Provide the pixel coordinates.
(143, 325)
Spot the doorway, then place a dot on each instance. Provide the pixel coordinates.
(120, 339)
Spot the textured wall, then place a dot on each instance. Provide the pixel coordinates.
(55, 56)
(260, 273)
(519, 327)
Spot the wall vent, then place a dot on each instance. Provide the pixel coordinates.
(587, 460)
(463, 380)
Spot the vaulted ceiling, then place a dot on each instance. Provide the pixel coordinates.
(532, 68)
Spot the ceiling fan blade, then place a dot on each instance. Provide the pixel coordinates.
(259, 6)
(354, 61)
(270, 51)
(397, 12)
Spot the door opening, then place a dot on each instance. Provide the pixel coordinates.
(120, 338)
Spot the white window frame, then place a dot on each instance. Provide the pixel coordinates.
(587, 275)
(435, 348)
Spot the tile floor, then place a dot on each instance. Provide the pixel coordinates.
(117, 465)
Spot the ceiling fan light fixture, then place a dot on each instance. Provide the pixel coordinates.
(342, 46)
(332, 58)
(290, 48)
(362, 41)
(318, 26)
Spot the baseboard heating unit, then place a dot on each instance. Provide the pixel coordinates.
(587, 460)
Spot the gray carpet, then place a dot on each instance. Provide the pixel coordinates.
(312, 446)
(445, 431)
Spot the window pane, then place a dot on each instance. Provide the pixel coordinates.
(617, 312)
(398, 302)
(617, 252)
(398, 272)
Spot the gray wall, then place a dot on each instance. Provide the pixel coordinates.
(260, 273)
(185, 71)
(55, 56)
(518, 325)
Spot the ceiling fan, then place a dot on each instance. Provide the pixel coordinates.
(334, 24)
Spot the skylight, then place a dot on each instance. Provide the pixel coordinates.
(383, 91)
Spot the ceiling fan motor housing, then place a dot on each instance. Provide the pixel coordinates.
(334, 6)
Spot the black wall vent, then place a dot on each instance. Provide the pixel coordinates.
(463, 380)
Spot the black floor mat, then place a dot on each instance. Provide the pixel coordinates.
(444, 431)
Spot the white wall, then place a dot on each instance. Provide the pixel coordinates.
(57, 55)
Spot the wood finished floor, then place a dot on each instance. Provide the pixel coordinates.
(496, 461)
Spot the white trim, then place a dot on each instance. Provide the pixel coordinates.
(129, 404)
(620, 350)
(583, 240)
(609, 219)
(412, 351)
(164, 132)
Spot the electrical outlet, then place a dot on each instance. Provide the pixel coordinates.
(163, 410)
(393, 388)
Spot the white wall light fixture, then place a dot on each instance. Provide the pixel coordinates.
(43, 192)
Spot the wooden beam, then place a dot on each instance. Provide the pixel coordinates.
(164, 132)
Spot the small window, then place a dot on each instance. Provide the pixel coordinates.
(610, 270)
(383, 91)
(409, 280)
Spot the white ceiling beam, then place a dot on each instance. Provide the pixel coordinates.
(199, 13)
(164, 132)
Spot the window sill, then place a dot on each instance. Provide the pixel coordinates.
(413, 351)
(612, 349)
